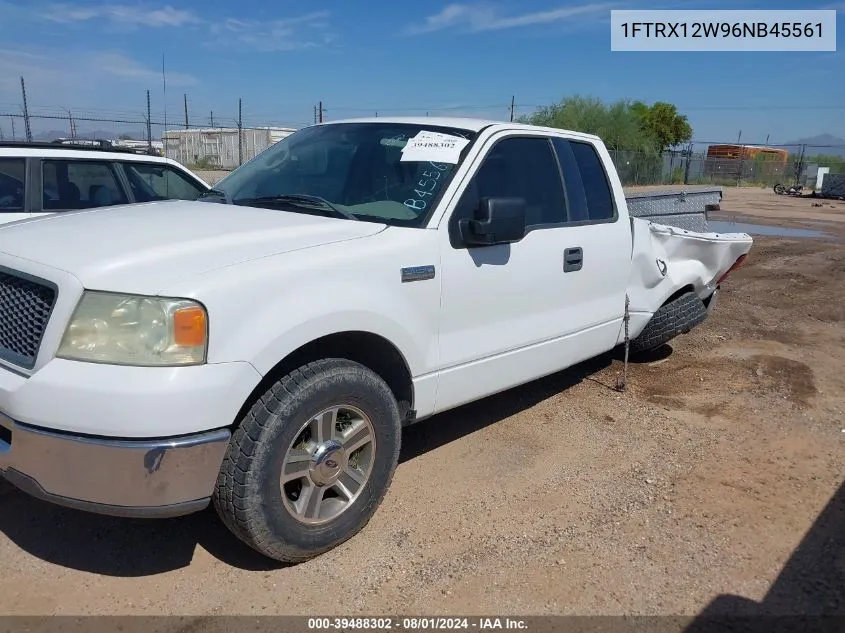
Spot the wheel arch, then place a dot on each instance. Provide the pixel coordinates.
(677, 293)
(373, 351)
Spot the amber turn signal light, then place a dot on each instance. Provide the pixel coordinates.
(189, 326)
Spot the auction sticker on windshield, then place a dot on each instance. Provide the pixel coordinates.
(433, 146)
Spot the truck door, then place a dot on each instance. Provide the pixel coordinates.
(511, 313)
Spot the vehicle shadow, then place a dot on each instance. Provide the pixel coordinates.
(119, 547)
(137, 547)
(807, 595)
(444, 428)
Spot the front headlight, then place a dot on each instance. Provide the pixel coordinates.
(135, 330)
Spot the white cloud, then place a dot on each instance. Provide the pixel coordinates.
(309, 30)
(55, 77)
(483, 17)
(131, 15)
(288, 34)
(118, 65)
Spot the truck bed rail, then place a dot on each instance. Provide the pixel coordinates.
(684, 208)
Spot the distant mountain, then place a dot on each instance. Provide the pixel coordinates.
(827, 144)
(50, 135)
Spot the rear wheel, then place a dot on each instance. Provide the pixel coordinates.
(311, 461)
(779, 189)
(673, 318)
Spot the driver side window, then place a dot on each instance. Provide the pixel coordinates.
(517, 167)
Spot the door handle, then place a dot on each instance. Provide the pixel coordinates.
(573, 259)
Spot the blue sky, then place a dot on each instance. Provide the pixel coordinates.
(462, 58)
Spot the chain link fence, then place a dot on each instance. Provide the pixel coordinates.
(203, 147)
(795, 166)
(223, 147)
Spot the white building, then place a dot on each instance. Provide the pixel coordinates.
(158, 147)
(218, 147)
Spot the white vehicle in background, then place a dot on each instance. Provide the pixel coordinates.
(261, 349)
(37, 179)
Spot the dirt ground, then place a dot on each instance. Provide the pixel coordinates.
(212, 177)
(709, 477)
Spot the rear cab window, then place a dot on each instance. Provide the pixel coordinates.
(587, 186)
(79, 184)
(12, 184)
(596, 187)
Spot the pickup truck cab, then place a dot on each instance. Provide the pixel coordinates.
(261, 349)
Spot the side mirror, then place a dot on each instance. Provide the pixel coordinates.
(497, 221)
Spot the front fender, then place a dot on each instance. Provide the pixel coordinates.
(263, 310)
(292, 331)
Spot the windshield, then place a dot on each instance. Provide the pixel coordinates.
(384, 172)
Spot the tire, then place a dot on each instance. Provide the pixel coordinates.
(672, 319)
(274, 518)
(779, 189)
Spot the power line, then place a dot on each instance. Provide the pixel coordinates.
(121, 114)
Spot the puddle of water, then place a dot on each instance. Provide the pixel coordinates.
(762, 229)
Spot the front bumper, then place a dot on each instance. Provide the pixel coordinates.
(130, 478)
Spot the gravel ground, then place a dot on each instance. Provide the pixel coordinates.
(559, 497)
(212, 177)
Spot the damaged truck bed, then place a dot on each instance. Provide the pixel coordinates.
(674, 251)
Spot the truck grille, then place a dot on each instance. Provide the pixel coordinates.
(25, 306)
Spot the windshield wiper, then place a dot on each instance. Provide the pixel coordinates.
(215, 193)
(302, 199)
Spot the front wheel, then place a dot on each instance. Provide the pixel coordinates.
(779, 189)
(311, 461)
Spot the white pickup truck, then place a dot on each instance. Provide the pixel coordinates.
(261, 349)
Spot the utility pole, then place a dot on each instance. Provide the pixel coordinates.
(800, 165)
(149, 125)
(212, 118)
(71, 125)
(689, 160)
(164, 94)
(186, 111)
(741, 158)
(513, 106)
(315, 115)
(26, 114)
(320, 112)
(14, 137)
(240, 132)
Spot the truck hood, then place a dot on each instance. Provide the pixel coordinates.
(144, 247)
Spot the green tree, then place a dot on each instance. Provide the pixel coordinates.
(617, 124)
(836, 163)
(662, 122)
(635, 133)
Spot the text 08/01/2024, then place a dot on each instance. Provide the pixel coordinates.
(730, 30)
(417, 623)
